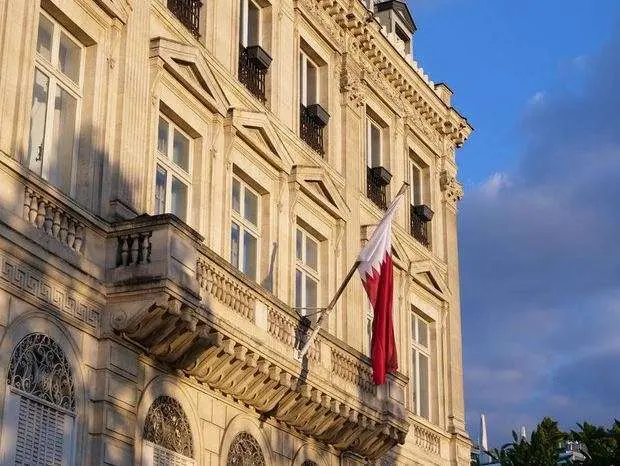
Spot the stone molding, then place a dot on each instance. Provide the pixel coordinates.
(49, 292)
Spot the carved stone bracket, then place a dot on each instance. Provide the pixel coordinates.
(175, 333)
(452, 189)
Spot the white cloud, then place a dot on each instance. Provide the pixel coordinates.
(495, 183)
(537, 99)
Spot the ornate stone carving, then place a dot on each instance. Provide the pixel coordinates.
(167, 425)
(453, 190)
(47, 291)
(39, 367)
(308, 463)
(245, 451)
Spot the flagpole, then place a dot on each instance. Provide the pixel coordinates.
(332, 303)
(327, 310)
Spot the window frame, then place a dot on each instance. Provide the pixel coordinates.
(306, 270)
(305, 61)
(56, 79)
(416, 186)
(245, 225)
(173, 169)
(244, 30)
(370, 122)
(417, 349)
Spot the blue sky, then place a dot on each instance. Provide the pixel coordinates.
(540, 269)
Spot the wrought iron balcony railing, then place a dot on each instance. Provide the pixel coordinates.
(188, 12)
(377, 178)
(253, 65)
(420, 222)
(312, 120)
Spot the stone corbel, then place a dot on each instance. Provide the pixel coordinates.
(452, 189)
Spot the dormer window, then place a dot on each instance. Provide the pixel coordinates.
(395, 16)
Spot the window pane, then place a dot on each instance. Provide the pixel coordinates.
(250, 206)
(178, 199)
(236, 196)
(312, 255)
(299, 244)
(416, 186)
(422, 332)
(250, 255)
(234, 245)
(162, 136)
(375, 145)
(253, 24)
(180, 150)
(44, 37)
(61, 161)
(242, 23)
(160, 190)
(298, 289)
(69, 57)
(38, 114)
(424, 402)
(413, 382)
(302, 80)
(312, 84)
(311, 292)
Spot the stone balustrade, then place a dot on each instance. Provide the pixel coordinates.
(52, 219)
(426, 439)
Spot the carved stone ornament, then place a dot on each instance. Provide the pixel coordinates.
(166, 425)
(40, 368)
(308, 463)
(452, 189)
(245, 451)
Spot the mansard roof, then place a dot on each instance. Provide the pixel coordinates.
(401, 9)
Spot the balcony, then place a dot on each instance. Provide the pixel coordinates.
(377, 178)
(420, 222)
(312, 120)
(188, 12)
(253, 65)
(226, 331)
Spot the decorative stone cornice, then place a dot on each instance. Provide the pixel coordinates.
(397, 76)
(452, 189)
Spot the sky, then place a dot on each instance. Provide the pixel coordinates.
(540, 267)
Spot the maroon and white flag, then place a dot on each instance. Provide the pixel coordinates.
(376, 271)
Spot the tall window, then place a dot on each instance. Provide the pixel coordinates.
(56, 102)
(308, 80)
(244, 230)
(167, 435)
(420, 365)
(417, 186)
(306, 270)
(40, 404)
(373, 143)
(173, 175)
(250, 23)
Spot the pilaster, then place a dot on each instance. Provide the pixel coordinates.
(129, 160)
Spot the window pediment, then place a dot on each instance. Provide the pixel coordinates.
(192, 71)
(318, 185)
(118, 9)
(425, 274)
(258, 132)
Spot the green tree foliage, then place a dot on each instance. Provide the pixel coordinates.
(546, 445)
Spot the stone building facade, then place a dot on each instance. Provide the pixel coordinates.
(181, 184)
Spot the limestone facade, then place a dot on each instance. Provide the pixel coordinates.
(178, 179)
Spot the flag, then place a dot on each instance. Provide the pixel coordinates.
(376, 269)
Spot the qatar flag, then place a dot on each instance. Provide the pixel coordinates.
(376, 271)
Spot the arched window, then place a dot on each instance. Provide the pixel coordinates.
(245, 451)
(39, 414)
(167, 435)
